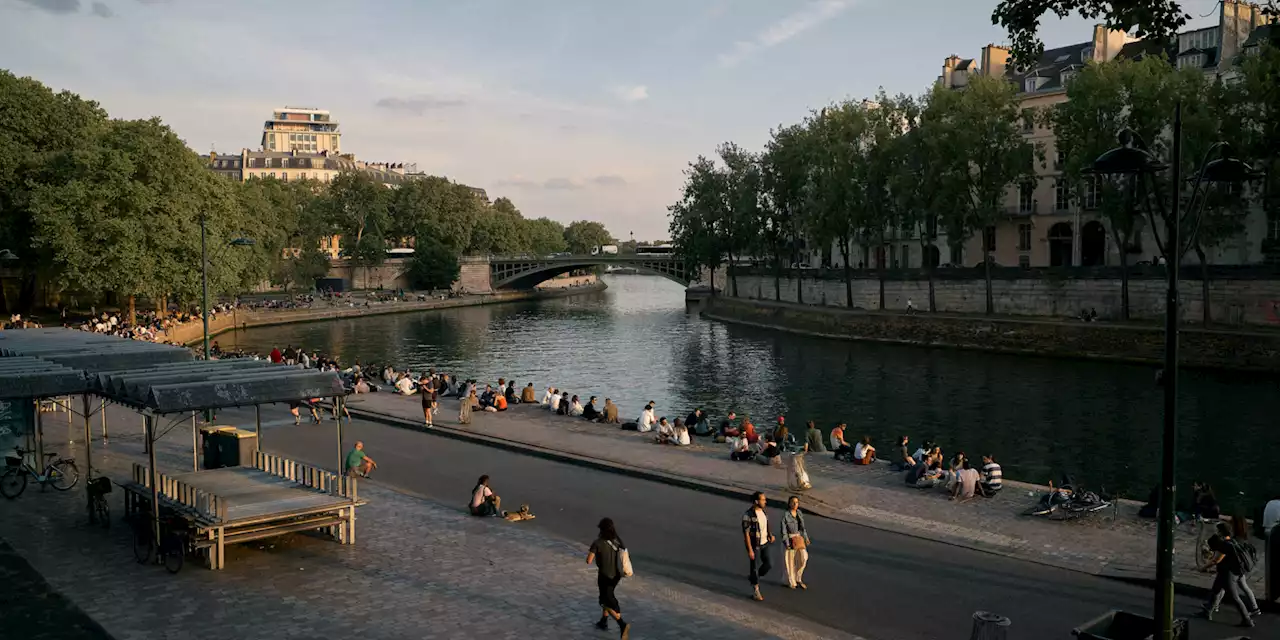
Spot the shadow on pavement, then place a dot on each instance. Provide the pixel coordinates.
(33, 610)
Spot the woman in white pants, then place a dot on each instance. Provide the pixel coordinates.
(795, 538)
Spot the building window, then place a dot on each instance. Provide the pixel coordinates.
(1061, 195)
(1275, 229)
(1091, 192)
(1060, 160)
(989, 238)
(1026, 198)
(1024, 261)
(906, 256)
(1024, 237)
(284, 177)
(273, 174)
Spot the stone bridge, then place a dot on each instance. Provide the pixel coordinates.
(525, 273)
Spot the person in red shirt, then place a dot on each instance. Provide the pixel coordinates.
(749, 430)
(276, 356)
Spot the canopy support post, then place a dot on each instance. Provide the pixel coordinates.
(148, 423)
(195, 445)
(103, 408)
(257, 423)
(337, 404)
(88, 451)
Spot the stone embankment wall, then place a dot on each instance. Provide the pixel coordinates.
(1235, 301)
(193, 332)
(1255, 351)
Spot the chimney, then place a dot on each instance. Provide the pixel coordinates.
(948, 66)
(995, 60)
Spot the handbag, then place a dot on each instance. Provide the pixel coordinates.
(797, 543)
(624, 560)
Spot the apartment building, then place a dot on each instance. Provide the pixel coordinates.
(302, 129)
(1043, 224)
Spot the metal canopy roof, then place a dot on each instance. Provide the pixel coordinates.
(26, 377)
(162, 378)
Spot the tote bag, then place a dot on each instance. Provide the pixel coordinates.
(624, 561)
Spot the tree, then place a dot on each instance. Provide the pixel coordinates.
(434, 266)
(695, 216)
(988, 154)
(436, 208)
(740, 181)
(885, 160)
(785, 172)
(499, 230)
(837, 179)
(40, 126)
(1140, 96)
(308, 266)
(357, 208)
(545, 236)
(922, 184)
(584, 236)
(1258, 95)
(1156, 20)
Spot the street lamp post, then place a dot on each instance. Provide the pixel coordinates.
(1133, 159)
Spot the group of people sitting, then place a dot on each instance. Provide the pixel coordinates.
(562, 403)
(924, 469)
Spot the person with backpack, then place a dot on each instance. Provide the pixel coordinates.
(609, 553)
(1235, 559)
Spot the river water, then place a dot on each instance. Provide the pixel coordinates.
(636, 342)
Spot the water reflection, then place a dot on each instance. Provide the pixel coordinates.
(635, 342)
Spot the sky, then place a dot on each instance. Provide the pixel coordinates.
(574, 109)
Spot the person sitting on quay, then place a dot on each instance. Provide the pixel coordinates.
(703, 426)
(749, 430)
(922, 452)
(664, 431)
(528, 395)
(405, 385)
(739, 449)
(692, 419)
(546, 398)
(610, 412)
(644, 423)
(575, 407)
(565, 405)
(992, 476)
(510, 394)
(863, 452)
(727, 430)
(486, 398)
(954, 469)
(813, 438)
(966, 482)
(770, 454)
(484, 502)
(780, 433)
(361, 386)
(928, 474)
(590, 412)
(680, 434)
(358, 463)
(841, 448)
(554, 403)
(903, 460)
(502, 385)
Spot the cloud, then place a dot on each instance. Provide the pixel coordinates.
(790, 26)
(419, 105)
(55, 6)
(608, 181)
(564, 184)
(101, 10)
(631, 93)
(516, 182)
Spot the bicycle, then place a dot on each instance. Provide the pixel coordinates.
(100, 511)
(62, 473)
(172, 550)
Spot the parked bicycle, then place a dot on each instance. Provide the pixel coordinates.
(61, 474)
(99, 487)
(172, 550)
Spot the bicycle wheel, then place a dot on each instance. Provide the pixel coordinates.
(142, 542)
(63, 475)
(13, 482)
(102, 512)
(173, 553)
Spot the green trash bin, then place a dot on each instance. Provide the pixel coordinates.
(211, 447)
(237, 447)
(1122, 625)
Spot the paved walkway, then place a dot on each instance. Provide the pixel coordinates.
(420, 570)
(1118, 545)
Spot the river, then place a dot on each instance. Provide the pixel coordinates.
(635, 342)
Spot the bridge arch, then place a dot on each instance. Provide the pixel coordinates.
(526, 274)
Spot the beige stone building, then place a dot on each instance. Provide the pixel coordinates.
(1043, 224)
(302, 129)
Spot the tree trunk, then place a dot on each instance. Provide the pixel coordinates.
(986, 268)
(928, 271)
(848, 273)
(799, 278)
(133, 313)
(733, 277)
(1124, 282)
(777, 276)
(880, 266)
(162, 306)
(1206, 305)
(27, 294)
(713, 280)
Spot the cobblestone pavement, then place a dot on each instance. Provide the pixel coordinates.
(419, 570)
(1118, 544)
(33, 611)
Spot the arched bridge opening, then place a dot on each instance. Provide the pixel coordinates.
(526, 274)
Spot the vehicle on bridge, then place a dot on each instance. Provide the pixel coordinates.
(656, 250)
(605, 250)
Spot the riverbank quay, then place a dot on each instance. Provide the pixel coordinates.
(1256, 350)
(422, 568)
(192, 333)
(1114, 544)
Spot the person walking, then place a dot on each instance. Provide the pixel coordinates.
(755, 532)
(1234, 560)
(605, 552)
(795, 538)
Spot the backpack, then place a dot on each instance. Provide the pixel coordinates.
(1246, 556)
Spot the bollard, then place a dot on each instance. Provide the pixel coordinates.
(989, 626)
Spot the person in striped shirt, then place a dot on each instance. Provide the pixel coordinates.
(992, 480)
